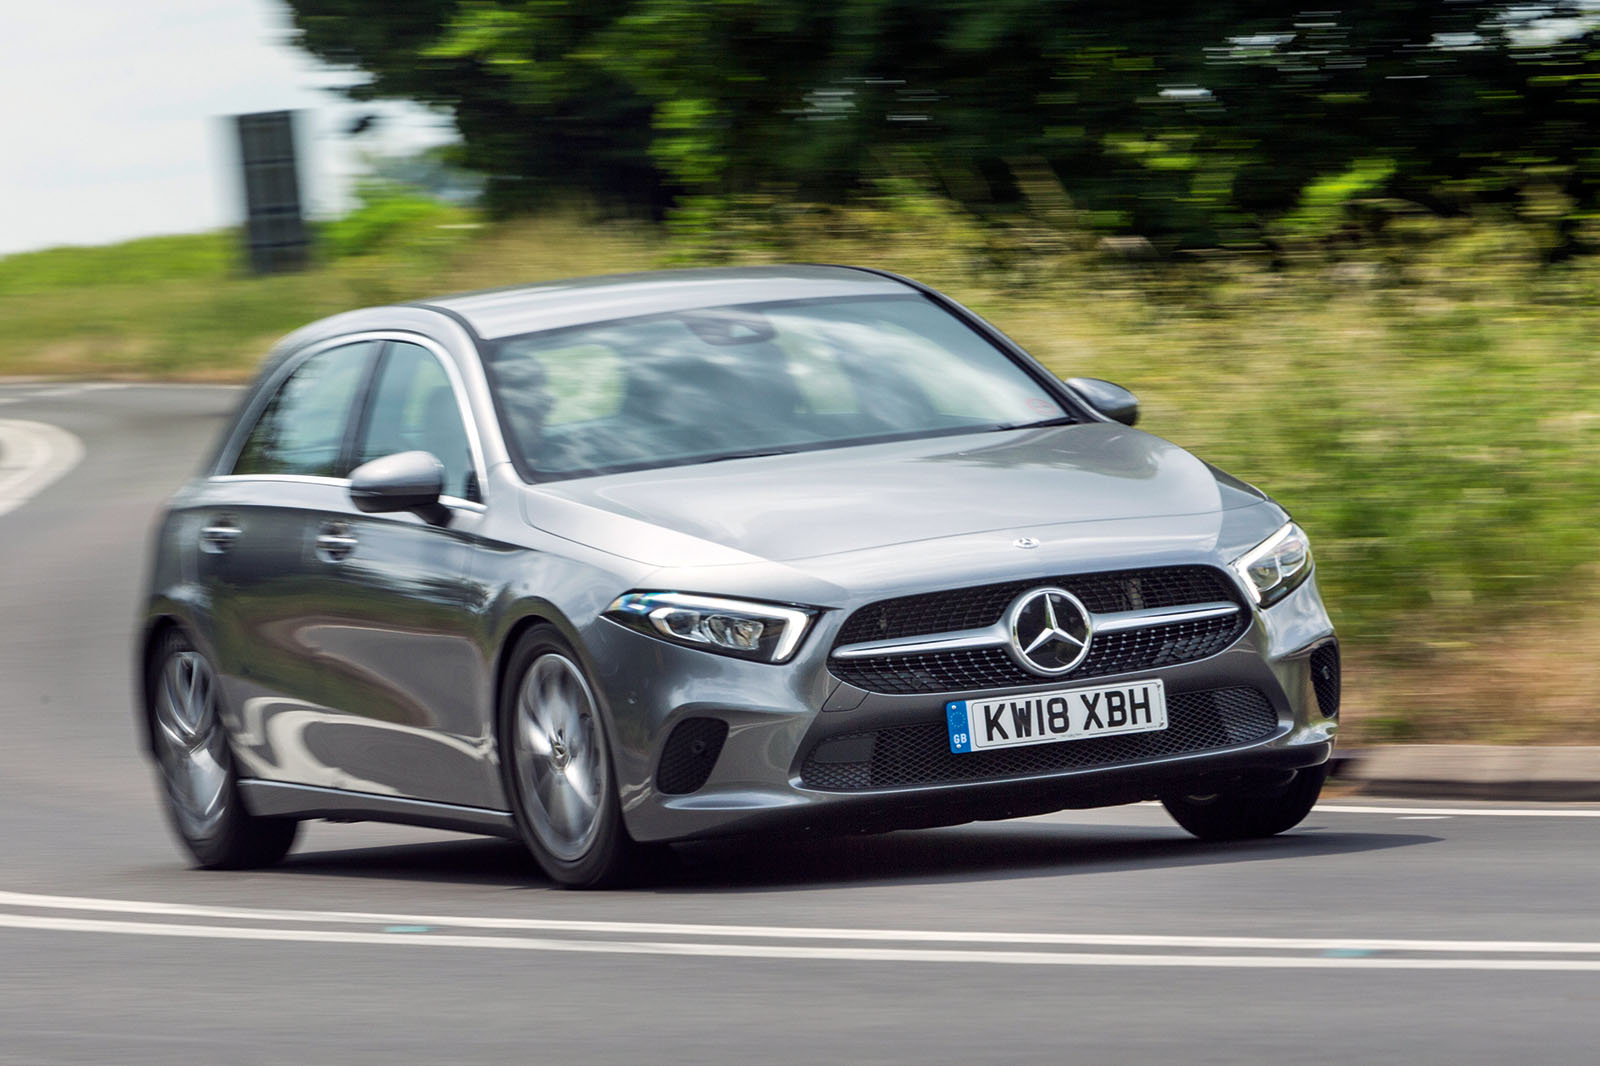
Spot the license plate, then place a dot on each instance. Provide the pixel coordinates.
(1046, 717)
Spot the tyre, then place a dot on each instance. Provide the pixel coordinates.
(1247, 814)
(200, 785)
(557, 763)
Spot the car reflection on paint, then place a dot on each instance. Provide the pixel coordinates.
(609, 563)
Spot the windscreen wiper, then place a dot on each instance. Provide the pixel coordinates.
(754, 454)
(1059, 420)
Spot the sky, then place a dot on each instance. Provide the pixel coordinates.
(111, 125)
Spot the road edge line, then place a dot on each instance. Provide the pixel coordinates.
(33, 456)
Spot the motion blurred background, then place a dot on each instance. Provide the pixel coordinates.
(1349, 254)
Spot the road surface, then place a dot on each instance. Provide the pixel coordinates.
(1376, 932)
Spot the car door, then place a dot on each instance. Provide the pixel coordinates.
(254, 527)
(395, 626)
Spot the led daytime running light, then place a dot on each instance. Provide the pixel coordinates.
(1276, 566)
(736, 627)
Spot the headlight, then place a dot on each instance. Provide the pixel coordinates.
(1277, 566)
(763, 631)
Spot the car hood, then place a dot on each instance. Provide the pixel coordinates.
(811, 504)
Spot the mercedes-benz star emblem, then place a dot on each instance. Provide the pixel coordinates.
(1025, 542)
(1050, 631)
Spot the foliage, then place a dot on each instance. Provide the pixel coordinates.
(536, 108)
(151, 259)
(175, 320)
(1197, 125)
(389, 217)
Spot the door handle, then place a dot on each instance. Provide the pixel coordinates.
(219, 535)
(335, 542)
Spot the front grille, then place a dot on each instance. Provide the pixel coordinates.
(979, 668)
(907, 756)
(1325, 678)
(985, 668)
(975, 608)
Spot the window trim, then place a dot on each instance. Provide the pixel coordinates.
(246, 426)
(361, 421)
(996, 336)
(356, 415)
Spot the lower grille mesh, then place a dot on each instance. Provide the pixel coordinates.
(920, 754)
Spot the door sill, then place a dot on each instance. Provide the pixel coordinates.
(275, 799)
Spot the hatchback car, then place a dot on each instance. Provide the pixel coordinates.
(620, 561)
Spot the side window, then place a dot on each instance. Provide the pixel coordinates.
(414, 409)
(302, 428)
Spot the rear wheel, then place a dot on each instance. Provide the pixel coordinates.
(199, 782)
(557, 763)
(1245, 814)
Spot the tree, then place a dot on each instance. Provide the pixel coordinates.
(537, 112)
(1190, 123)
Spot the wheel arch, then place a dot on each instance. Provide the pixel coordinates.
(518, 615)
(535, 616)
(154, 632)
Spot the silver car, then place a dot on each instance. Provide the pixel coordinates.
(609, 563)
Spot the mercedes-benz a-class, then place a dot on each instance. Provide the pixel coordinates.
(608, 563)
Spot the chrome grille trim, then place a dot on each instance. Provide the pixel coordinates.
(990, 636)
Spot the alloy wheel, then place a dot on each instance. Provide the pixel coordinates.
(190, 743)
(560, 756)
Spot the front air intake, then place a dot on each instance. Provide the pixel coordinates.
(689, 754)
(1325, 678)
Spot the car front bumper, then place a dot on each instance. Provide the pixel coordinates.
(778, 716)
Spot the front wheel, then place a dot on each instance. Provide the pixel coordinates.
(557, 764)
(200, 784)
(1245, 814)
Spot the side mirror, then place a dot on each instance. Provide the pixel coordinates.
(405, 481)
(1113, 401)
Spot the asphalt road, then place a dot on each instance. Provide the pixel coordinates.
(1425, 933)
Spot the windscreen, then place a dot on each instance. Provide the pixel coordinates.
(756, 379)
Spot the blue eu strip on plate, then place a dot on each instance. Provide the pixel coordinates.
(955, 713)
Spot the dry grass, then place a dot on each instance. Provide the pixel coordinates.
(1532, 682)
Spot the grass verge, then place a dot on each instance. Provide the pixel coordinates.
(1429, 408)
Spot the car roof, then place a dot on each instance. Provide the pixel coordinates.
(507, 312)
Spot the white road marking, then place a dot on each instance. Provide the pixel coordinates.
(32, 455)
(429, 922)
(46, 391)
(787, 951)
(170, 385)
(43, 390)
(1469, 812)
